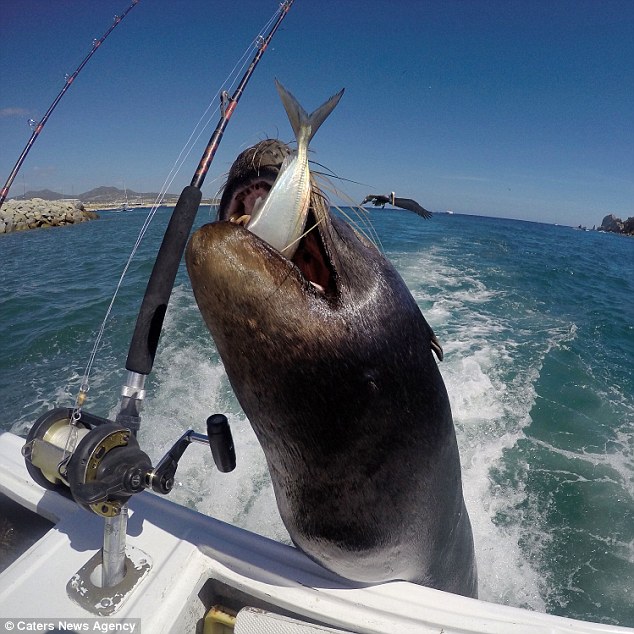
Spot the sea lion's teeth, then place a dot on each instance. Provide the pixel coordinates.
(240, 220)
(319, 287)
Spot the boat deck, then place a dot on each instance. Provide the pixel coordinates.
(196, 562)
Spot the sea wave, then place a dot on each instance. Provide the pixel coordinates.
(538, 357)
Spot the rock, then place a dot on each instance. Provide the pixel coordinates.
(615, 225)
(19, 215)
(612, 223)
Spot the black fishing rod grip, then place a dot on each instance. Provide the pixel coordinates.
(159, 287)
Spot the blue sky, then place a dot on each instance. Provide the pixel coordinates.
(523, 109)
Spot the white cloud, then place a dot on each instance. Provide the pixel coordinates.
(13, 112)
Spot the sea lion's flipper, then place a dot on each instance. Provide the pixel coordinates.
(436, 347)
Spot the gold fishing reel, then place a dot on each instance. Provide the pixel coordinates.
(98, 462)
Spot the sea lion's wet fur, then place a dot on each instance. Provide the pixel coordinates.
(342, 390)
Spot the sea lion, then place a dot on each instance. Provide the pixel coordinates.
(331, 360)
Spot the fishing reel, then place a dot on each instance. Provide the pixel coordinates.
(100, 464)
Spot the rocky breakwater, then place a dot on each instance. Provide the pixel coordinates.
(19, 215)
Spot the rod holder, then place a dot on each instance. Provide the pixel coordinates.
(113, 551)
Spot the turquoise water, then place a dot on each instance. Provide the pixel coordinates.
(537, 324)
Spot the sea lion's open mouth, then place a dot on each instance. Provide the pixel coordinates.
(246, 199)
(311, 256)
(312, 259)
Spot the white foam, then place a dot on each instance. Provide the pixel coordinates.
(490, 410)
(479, 406)
(193, 385)
(490, 414)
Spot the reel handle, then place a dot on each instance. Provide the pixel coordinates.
(221, 443)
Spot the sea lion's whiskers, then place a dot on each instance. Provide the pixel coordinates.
(362, 221)
(330, 174)
(361, 212)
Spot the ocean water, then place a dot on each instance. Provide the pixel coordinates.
(537, 324)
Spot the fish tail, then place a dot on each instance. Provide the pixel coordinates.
(305, 125)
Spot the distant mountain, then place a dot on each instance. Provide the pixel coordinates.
(44, 194)
(102, 196)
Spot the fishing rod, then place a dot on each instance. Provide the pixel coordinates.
(147, 331)
(101, 460)
(148, 327)
(4, 192)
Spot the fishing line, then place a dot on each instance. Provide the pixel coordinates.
(38, 125)
(227, 85)
(186, 151)
(207, 117)
(259, 42)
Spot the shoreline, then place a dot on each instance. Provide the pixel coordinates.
(117, 206)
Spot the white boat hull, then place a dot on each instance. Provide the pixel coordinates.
(197, 561)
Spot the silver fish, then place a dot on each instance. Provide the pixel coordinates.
(280, 218)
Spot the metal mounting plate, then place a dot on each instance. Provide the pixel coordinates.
(84, 587)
